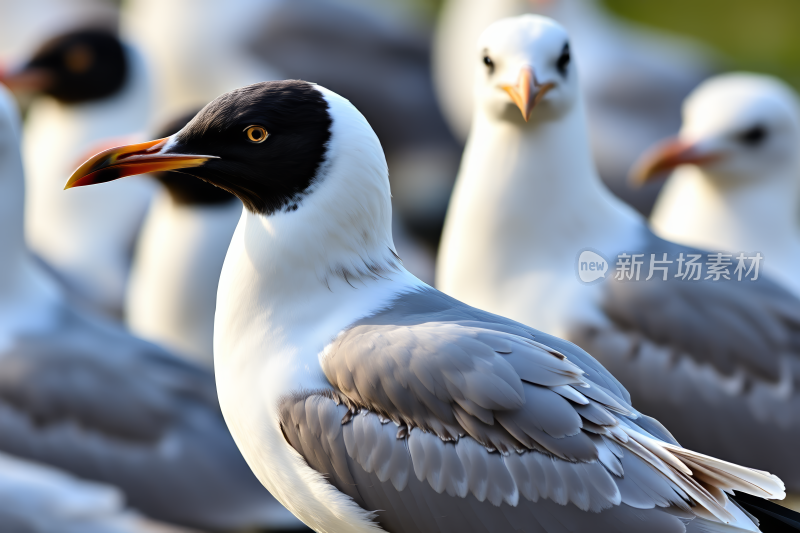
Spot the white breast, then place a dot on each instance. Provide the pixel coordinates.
(268, 347)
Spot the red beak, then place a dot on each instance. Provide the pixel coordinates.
(666, 156)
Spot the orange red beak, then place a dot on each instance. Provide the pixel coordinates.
(130, 160)
(666, 156)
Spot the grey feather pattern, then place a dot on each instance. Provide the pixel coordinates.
(90, 399)
(473, 429)
(726, 323)
(717, 362)
(434, 486)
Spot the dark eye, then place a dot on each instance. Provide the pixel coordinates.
(489, 63)
(754, 136)
(563, 60)
(256, 134)
(78, 59)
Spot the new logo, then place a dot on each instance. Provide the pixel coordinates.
(591, 266)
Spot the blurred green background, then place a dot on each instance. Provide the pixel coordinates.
(757, 35)
(762, 35)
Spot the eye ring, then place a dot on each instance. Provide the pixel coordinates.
(256, 134)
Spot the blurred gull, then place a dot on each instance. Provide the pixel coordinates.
(80, 393)
(737, 185)
(41, 499)
(367, 401)
(715, 361)
(634, 78)
(93, 88)
(173, 287)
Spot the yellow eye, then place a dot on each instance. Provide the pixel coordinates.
(256, 134)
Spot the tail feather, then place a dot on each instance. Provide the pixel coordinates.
(705, 480)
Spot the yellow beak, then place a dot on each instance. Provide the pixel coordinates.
(527, 92)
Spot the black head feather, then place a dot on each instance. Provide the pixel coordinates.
(81, 65)
(271, 175)
(185, 189)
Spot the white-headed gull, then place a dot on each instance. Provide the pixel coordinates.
(737, 185)
(533, 234)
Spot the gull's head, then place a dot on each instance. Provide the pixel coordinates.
(524, 70)
(736, 128)
(296, 154)
(78, 66)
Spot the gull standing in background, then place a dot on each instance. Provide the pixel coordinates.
(716, 361)
(633, 77)
(737, 183)
(172, 292)
(80, 393)
(93, 87)
(367, 401)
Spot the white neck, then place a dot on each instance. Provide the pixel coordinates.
(527, 197)
(741, 215)
(760, 216)
(293, 270)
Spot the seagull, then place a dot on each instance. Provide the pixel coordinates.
(712, 360)
(172, 291)
(364, 399)
(92, 87)
(737, 183)
(39, 499)
(633, 77)
(81, 394)
(368, 50)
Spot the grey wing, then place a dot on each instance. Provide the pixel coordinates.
(487, 413)
(419, 484)
(716, 361)
(90, 399)
(729, 324)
